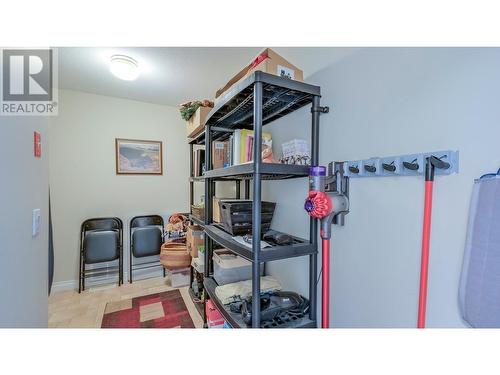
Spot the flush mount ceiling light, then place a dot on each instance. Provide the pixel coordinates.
(124, 67)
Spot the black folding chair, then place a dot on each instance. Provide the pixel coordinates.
(101, 240)
(146, 238)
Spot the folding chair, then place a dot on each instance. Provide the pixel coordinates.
(101, 240)
(146, 238)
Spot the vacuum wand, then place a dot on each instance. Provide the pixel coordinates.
(325, 206)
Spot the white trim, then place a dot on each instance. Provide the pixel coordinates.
(59, 286)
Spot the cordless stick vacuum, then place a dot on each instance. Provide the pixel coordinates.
(431, 164)
(328, 202)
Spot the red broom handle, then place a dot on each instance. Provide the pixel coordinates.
(325, 280)
(424, 261)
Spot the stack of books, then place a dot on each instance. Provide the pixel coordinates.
(238, 149)
(241, 145)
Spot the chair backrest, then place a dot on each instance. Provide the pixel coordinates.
(103, 223)
(146, 220)
(146, 235)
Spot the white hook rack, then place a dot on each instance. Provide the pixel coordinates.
(399, 165)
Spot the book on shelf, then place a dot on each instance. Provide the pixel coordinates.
(237, 149)
(236, 146)
(230, 152)
(198, 162)
(220, 154)
(246, 144)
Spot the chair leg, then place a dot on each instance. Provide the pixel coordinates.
(130, 267)
(164, 272)
(120, 268)
(83, 276)
(120, 262)
(80, 275)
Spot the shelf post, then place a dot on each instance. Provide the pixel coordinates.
(191, 174)
(256, 205)
(247, 189)
(191, 199)
(208, 183)
(238, 189)
(208, 188)
(313, 223)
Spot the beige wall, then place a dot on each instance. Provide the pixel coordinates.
(83, 181)
(23, 258)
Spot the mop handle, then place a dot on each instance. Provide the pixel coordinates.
(432, 162)
(424, 261)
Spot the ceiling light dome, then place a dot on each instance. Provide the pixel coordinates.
(124, 67)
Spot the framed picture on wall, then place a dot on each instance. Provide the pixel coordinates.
(138, 157)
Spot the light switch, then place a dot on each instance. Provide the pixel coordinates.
(36, 222)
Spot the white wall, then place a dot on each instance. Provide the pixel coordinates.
(82, 168)
(389, 101)
(23, 258)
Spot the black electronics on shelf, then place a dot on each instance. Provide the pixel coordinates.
(255, 101)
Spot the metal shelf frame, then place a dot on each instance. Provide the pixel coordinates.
(268, 171)
(199, 140)
(196, 221)
(255, 101)
(299, 248)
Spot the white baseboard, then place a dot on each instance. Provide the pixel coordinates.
(59, 286)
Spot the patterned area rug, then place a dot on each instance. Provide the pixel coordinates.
(159, 310)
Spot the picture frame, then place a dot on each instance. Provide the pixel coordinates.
(138, 157)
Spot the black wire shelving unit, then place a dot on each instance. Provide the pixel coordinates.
(252, 103)
(199, 140)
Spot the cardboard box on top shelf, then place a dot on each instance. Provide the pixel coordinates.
(196, 123)
(267, 61)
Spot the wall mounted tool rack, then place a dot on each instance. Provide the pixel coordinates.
(400, 165)
(426, 164)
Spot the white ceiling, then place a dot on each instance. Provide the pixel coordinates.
(172, 75)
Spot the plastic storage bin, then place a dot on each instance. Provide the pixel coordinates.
(231, 268)
(179, 277)
(198, 264)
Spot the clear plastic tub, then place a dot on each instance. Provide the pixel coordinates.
(180, 277)
(231, 268)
